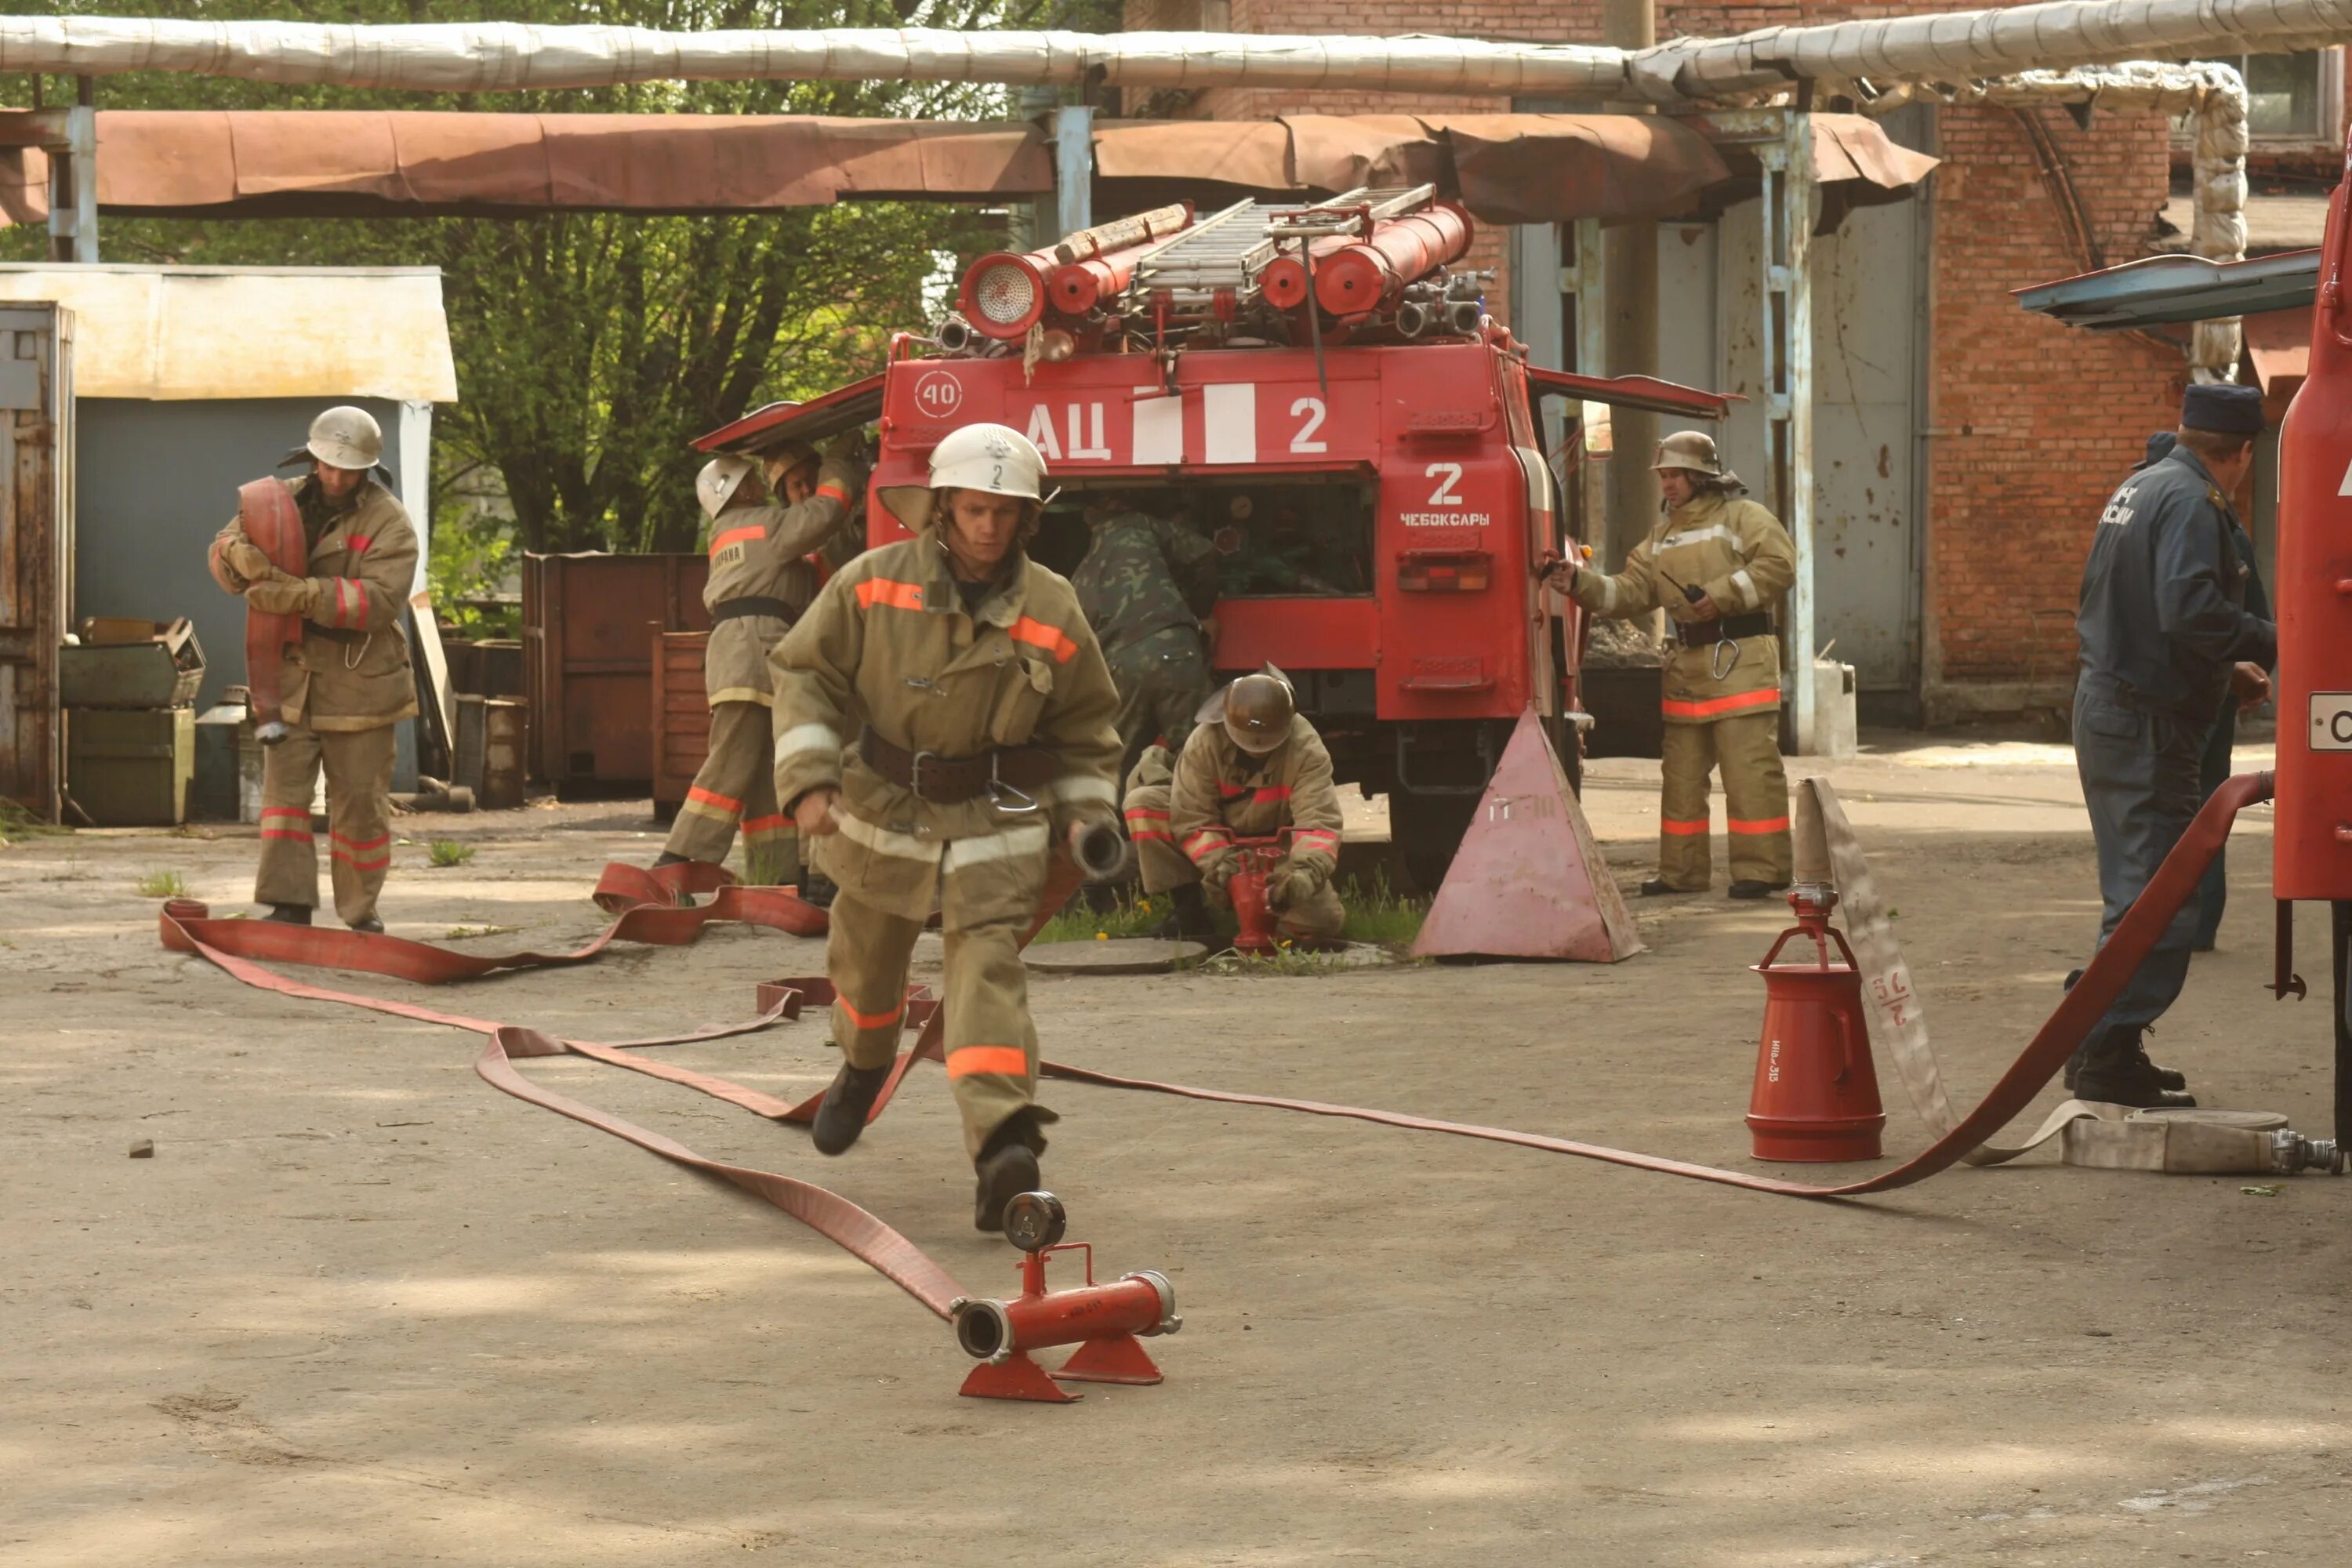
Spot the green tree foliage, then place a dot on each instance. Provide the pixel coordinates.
(591, 347)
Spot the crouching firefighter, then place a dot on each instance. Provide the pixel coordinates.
(944, 721)
(758, 587)
(1251, 768)
(345, 684)
(1717, 564)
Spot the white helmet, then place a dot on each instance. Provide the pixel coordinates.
(995, 458)
(719, 480)
(346, 438)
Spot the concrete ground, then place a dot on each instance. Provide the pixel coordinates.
(360, 1308)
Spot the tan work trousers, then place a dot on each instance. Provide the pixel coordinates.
(359, 817)
(1162, 864)
(737, 784)
(991, 1045)
(1746, 748)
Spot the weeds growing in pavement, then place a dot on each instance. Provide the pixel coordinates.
(1381, 915)
(1130, 914)
(161, 885)
(446, 852)
(16, 824)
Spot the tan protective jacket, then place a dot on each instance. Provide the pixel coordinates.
(1223, 793)
(350, 670)
(888, 643)
(1740, 555)
(757, 553)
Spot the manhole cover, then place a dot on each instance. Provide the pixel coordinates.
(1114, 955)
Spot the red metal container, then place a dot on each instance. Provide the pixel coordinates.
(1373, 270)
(588, 659)
(1816, 1093)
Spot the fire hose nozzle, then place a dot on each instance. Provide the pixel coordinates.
(1103, 853)
(953, 333)
(2291, 1152)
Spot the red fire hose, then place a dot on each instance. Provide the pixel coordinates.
(273, 524)
(234, 945)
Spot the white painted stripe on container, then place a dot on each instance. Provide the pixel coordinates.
(1011, 844)
(882, 841)
(1229, 412)
(1159, 427)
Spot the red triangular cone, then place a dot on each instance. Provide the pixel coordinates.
(1529, 882)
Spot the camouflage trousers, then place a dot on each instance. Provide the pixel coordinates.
(990, 1044)
(1162, 680)
(1746, 750)
(359, 817)
(736, 784)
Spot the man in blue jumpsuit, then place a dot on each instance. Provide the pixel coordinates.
(2166, 640)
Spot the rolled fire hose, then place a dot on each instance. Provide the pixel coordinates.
(271, 520)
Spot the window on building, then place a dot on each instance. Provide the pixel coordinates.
(2290, 98)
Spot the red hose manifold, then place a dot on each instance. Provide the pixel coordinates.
(1102, 1321)
(1371, 273)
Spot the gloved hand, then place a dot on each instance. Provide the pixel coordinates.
(1217, 870)
(279, 594)
(1295, 881)
(843, 461)
(246, 559)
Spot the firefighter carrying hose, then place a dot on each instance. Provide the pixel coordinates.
(1717, 564)
(760, 584)
(1251, 768)
(943, 718)
(345, 684)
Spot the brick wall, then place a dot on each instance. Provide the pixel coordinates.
(2031, 424)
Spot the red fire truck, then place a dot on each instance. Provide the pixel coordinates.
(1310, 388)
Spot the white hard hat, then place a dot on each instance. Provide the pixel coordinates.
(719, 480)
(994, 458)
(346, 438)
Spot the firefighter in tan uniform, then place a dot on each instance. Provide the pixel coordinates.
(345, 685)
(1254, 767)
(943, 720)
(1166, 872)
(1716, 565)
(760, 584)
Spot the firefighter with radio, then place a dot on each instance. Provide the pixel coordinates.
(1146, 585)
(1717, 564)
(1251, 768)
(2166, 640)
(346, 684)
(760, 584)
(943, 726)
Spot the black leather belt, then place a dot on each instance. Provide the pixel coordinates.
(736, 609)
(1700, 634)
(344, 635)
(944, 781)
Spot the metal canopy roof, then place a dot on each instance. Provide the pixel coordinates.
(2163, 289)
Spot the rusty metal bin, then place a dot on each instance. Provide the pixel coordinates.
(589, 665)
(681, 716)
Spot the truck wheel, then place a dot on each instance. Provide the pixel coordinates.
(1425, 830)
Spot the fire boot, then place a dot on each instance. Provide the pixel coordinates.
(2166, 1078)
(1007, 1167)
(666, 859)
(1756, 889)
(1659, 888)
(289, 914)
(2115, 1071)
(369, 924)
(1190, 920)
(847, 1103)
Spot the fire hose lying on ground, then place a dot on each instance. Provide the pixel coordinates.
(648, 907)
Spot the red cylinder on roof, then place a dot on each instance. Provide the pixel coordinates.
(1077, 287)
(1283, 282)
(1004, 292)
(1371, 272)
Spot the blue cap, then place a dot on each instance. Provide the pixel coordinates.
(2223, 407)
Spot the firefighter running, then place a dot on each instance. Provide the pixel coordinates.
(943, 718)
(346, 684)
(1254, 767)
(760, 584)
(1717, 564)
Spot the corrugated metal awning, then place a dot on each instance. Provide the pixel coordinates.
(2169, 288)
(184, 333)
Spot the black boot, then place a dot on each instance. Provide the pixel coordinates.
(1007, 1167)
(289, 914)
(847, 1103)
(666, 859)
(1756, 890)
(1189, 918)
(1659, 888)
(2115, 1071)
(369, 924)
(2165, 1077)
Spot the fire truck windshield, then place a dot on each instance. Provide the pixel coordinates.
(1309, 537)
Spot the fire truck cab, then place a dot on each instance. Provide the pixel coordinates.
(1381, 505)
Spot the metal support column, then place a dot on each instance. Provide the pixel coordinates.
(1584, 279)
(1073, 166)
(1788, 340)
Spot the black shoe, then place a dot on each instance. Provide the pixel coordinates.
(666, 859)
(847, 1103)
(289, 914)
(817, 888)
(1659, 888)
(1756, 890)
(2137, 1084)
(369, 925)
(2166, 1078)
(1007, 1167)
